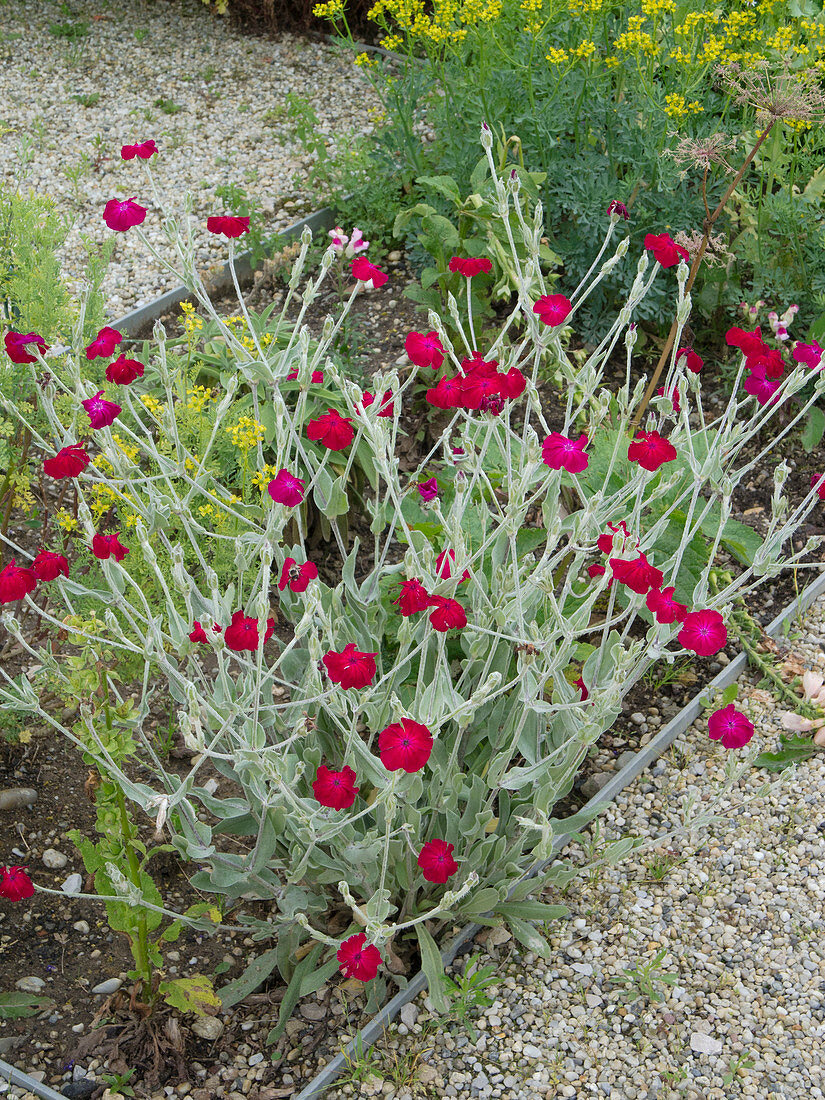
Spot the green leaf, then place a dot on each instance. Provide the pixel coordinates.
(792, 750)
(481, 901)
(530, 937)
(814, 429)
(433, 968)
(729, 694)
(532, 910)
(255, 974)
(195, 994)
(14, 1006)
(293, 991)
(444, 185)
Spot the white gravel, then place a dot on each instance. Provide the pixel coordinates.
(230, 129)
(740, 913)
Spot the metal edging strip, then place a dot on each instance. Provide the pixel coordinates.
(131, 322)
(652, 751)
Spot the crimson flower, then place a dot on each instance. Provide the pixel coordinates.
(144, 150)
(605, 541)
(436, 861)
(286, 489)
(367, 273)
(479, 386)
(639, 575)
(104, 343)
(664, 607)
(758, 385)
(424, 349)
(560, 453)
(553, 309)
(317, 376)
(358, 961)
(580, 684)
(703, 632)
(405, 745)
(448, 614)
(665, 250)
(109, 546)
(673, 396)
(198, 633)
(770, 359)
(651, 450)
(512, 384)
(48, 565)
(336, 790)
(16, 346)
(598, 571)
(123, 371)
(749, 343)
(16, 582)
(387, 405)
(413, 598)
(810, 354)
(68, 462)
(470, 267)
(428, 490)
(818, 481)
(350, 668)
(229, 225)
(618, 210)
(447, 394)
(121, 216)
(242, 633)
(297, 576)
(331, 430)
(693, 361)
(731, 726)
(15, 884)
(102, 413)
(442, 566)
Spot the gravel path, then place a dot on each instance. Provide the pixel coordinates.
(741, 918)
(221, 120)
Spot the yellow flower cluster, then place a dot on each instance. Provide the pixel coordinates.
(239, 322)
(191, 322)
(392, 42)
(557, 57)
(102, 499)
(584, 49)
(364, 61)
(474, 12)
(585, 7)
(262, 478)
(246, 433)
(677, 107)
(635, 40)
(66, 520)
(332, 9)
(129, 449)
(152, 405)
(198, 398)
(652, 8)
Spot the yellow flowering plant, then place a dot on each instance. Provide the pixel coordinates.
(598, 91)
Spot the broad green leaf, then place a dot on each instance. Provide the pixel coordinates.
(255, 974)
(444, 185)
(532, 910)
(303, 970)
(530, 937)
(433, 967)
(195, 994)
(814, 429)
(14, 1006)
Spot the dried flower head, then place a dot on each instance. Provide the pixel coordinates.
(716, 253)
(782, 95)
(703, 152)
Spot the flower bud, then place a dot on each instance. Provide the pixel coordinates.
(486, 137)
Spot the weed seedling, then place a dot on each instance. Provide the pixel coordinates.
(642, 980)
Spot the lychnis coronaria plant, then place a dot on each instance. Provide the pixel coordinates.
(393, 738)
